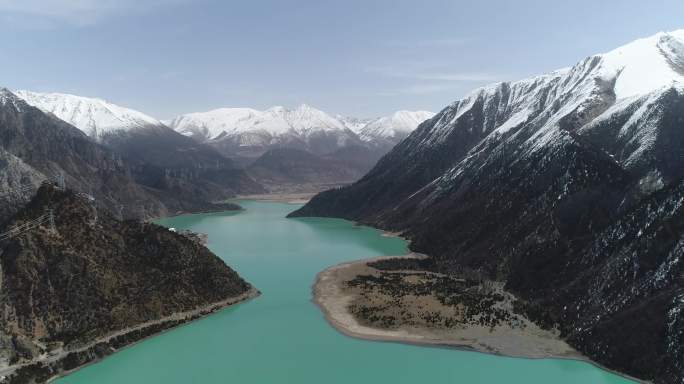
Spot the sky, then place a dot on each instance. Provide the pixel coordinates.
(362, 58)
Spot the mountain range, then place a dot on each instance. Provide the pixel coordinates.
(301, 146)
(159, 157)
(568, 188)
(252, 132)
(222, 149)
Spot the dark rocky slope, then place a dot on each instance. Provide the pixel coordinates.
(60, 290)
(284, 168)
(563, 188)
(622, 297)
(167, 161)
(37, 147)
(52, 147)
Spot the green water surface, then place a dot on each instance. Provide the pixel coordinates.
(282, 337)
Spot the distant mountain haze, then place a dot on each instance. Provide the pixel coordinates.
(344, 149)
(221, 141)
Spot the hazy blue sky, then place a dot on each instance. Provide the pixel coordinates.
(355, 57)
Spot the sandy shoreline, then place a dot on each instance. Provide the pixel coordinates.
(186, 318)
(183, 318)
(331, 296)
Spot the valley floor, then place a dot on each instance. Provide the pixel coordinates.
(290, 198)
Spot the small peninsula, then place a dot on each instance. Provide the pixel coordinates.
(81, 285)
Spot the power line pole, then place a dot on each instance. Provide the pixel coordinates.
(91, 200)
(60, 181)
(51, 221)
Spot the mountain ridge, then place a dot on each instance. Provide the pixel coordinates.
(344, 148)
(267, 127)
(517, 179)
(94, 116)
(158, 157)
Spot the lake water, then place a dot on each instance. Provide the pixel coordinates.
(282, 337)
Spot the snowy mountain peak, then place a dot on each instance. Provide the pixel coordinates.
(354, 124)
(5, 95)
(278, 120)
(397, 126)
(636, 68)
(95, 117)
(306, 118)
(645, 65)
(8, 97)
(579, 93)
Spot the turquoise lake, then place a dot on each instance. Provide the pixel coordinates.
(282, 337)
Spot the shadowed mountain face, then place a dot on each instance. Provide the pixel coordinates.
(96, 275)
(289, 169)
(566, 186)
(159, 158)
(179, 166)
(37, 147)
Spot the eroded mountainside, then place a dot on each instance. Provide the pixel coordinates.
(95, 275)
(567, 187)
(39, 147)
(158, 157)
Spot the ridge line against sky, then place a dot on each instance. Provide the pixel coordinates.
(357, 58)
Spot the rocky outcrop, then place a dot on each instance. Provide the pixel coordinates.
(92, 275)
(38, 147)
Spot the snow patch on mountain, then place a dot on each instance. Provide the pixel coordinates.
(95, 117)
(213, 124)
(398, 125)
(645, 64)
(355, 124)
(7, 97)
(275, 121)
(304, 127)
(579, 94)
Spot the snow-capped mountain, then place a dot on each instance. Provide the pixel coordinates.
(36, 146)
(234, 129)
(160, 157)
(237, 130)
(275, 121)
(393, 128)
(96, 117)
(355, 124)
(567, 187)
(338, 142)
(627, 85)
